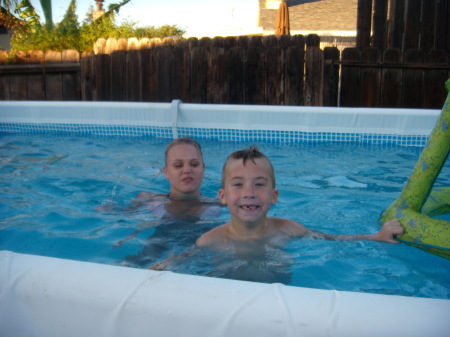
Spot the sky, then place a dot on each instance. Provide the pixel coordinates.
(232, 14)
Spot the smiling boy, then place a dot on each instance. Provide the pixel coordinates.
(248, 190)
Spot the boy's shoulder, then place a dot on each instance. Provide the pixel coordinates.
(288, 226)
(214, 237)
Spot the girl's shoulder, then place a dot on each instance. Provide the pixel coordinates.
(150, 196)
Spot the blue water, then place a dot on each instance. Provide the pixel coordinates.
(52, 186)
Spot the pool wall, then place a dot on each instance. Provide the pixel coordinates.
(43, 296)
(225, 122)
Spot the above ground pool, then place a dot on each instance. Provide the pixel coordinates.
(70, 169)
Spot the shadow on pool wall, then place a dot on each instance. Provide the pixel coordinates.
(43, 296)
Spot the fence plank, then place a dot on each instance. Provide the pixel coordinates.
(391, 81)
(3, 57)
(236, 76)
(118, 75)
(100, 46)
(428, 26)
(52, 57)
(412, 25)
(133, 85)
(166, 73)
(52, 83)
(144, 43)
(181, 83)
(122, 44)
(102, 77)
(370, 78)
(293, 78)
(36, 87)
(412, 82)
(5, 90)
(70, 80)
(434, 91)
(71, 86)
(111, 45)
(350, 78)
(199, 74)
(150, 91)
(442, 41)
(331, 77)
(53, 87)
(217, 76)
(255, 82)
(363, 23)
(35, 57)
(18, 87)
(87, 74)
(380, 9)
(313, 71)
(395, 24)
(274, 76)
(133, 44)
(70, 56)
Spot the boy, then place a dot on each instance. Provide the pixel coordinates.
(248, 190)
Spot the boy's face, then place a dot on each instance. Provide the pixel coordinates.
(248, 191)
(184, 170)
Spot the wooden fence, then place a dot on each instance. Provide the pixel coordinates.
(395, 79)
(289, 70)
(41, 76)
(402, 57)
(404, 24)
(236, 70)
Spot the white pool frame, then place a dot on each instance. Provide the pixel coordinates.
(43, 296)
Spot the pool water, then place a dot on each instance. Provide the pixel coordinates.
(61, 196)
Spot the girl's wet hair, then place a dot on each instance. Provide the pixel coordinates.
(183, 140)
(251, 154)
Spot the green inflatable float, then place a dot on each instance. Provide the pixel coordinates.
(418, 203)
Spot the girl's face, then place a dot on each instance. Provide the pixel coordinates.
(184, 170)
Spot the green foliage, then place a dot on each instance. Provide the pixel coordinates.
(69, 34)
(26, 11)
(163, 31)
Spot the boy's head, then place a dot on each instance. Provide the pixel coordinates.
(248, 187)
(250, 154)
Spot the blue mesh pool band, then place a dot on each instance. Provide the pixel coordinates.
(219, 134)
(421, 230)
(223, 122)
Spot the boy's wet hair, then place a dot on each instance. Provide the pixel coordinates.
(183, 140)
(251, 154)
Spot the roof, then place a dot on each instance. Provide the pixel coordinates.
(312, 15)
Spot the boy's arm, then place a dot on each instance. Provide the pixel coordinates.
(388, 232)
(174, 260)
(207, 240)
